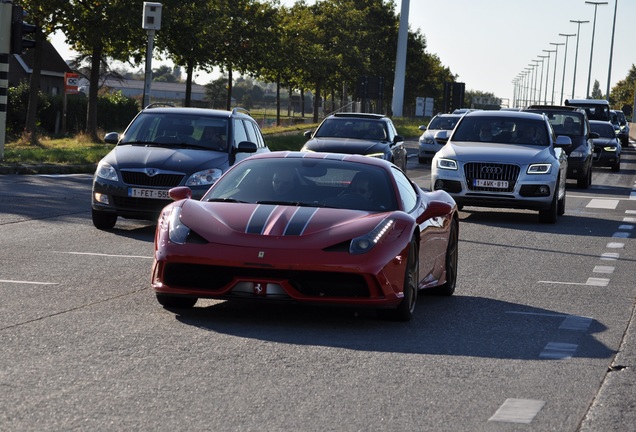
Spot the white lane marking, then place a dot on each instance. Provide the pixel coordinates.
(107, 255)
(615, 245)
(630, 211)
(610, 256)
(576, 323)
(626, 227)
(629, 219)
(538, 314)
(597, 282)
(620, 235)
(558, 351)
(518, 411)
(603, 204)
(27, 282)
(603, 269)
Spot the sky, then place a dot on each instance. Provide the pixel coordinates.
(489, 43)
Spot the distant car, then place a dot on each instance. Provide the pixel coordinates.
(371, 135)
(503, 159)
(572, 121)
(607, 147)
(313, 228)
(596, 109)
(164, 147)
(427, 144)
(463, 110)
(619, 119)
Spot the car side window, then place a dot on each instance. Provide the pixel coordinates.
(240, 134)
(254, 133)
(408, 196)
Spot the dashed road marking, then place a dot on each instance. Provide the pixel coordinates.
(610, 256)
(603, 269)
(27, 282)
(576, 323)
(620, 234)
(558, 351)
(602, 204)
(615, 245)
(518, 411)
(107, 255)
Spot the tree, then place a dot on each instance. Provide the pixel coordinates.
(596, 90)
(622, 94)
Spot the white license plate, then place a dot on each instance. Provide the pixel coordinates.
(497, 184)
(148, 193)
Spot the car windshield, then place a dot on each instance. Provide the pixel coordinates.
(505, 130)
(351, 128)
(443, 123)
(605, 130)
(307, 182)
(169, 129)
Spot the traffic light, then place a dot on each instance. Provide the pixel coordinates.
(20, 29)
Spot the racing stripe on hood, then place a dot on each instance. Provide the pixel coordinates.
(299, 221)
(259, 219)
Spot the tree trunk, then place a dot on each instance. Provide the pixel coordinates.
(188, 92)
(228, 101)
(317, 101)
(278, 100)
(91, 116)
(34, 88)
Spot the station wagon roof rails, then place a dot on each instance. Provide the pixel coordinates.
(240, 109)
(159, 104)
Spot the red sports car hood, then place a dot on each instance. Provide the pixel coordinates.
(276, 225)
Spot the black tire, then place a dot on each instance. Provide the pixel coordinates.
(585, 182)
(103, 220)
(404, 311)
(176, 302)
(561, 206)
(617, 167)
(550, 214)
(452, 258)
(422, 160)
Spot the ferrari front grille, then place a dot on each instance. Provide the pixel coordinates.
(309, 283)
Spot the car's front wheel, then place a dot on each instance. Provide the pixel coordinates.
(585, 182)
(550, 214)
(176, 302)
(404, 311)
(103, 220)
(452, 254)
(617, 166)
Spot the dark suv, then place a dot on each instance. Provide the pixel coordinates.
(358, 133)
(572, 122)
(164, 147)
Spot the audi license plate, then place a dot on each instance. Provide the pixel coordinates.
(497, 184)
(148, 193)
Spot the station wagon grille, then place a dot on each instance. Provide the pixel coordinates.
(491, 171)
(137, 178)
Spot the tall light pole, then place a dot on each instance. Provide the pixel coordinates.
(576, 56)
(528, 81)
(535, 72)
(565, 60)
(589, 75)
(609, 70)
(542, 57)
(547, 75)
(556, 60)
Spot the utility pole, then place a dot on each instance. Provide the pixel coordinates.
(400, 62)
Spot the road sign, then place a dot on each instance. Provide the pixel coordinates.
(71, 83)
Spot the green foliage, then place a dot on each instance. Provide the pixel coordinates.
(622, 94)
(18, 102)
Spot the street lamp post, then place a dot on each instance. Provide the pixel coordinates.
(589, 75)
(528, 83)
(542, 57)
(576, 56)
(556, 60)
(565, 60)
(547, 75)
(535, 72)
(609, 70)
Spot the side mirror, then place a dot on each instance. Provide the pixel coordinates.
(179, 193)
(307, 134)
(563, 141)
(437, 209)
(111, 138)
(246, 147)
(442, 136)
(422, 128)
(398, 138)
(593, 135)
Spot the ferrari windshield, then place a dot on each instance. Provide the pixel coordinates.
(505, 130)
(307, 182)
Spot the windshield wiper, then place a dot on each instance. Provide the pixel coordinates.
(233, 200)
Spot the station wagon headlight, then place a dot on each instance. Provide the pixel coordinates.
(177, 231)
(204, 178)
(365, 243)
(376, 155)
(106, 172)
(447, 164)
(539, 168)
(610, 149)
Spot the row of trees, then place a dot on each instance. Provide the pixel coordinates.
(324, 47)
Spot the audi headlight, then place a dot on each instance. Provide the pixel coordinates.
(204, 178)
(429, 141)
(376, 155)
(106, 172)
(447, 164)
(542, 168)
(576, 153)
(610, 149)
(365, 243)
(177, 231)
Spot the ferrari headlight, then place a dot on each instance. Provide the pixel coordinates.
(610, 149)
(204, 178)
(106, 172)
(447, 164)
(365, 243)
(541, 168)
(177, 231)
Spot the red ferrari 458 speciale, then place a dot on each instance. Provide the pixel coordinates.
(319, 228)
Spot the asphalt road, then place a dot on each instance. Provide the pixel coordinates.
(539, 335)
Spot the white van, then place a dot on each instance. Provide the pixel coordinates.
(596, 109)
